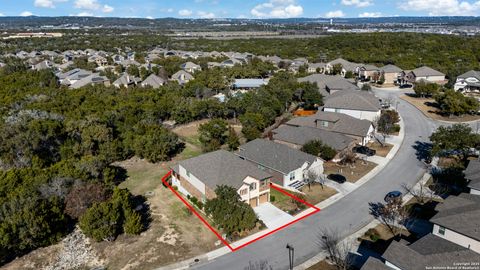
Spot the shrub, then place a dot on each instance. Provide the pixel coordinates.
(272, 198)
(133, 223)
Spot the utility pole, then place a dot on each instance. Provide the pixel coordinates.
(291, 253)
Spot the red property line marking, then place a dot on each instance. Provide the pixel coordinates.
(253, 240)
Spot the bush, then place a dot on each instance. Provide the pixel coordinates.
(317, 148)
(396, 128)
(272, 198)
(133, 223)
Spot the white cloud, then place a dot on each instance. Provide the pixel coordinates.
(277, 9)
(357, 3)
(1, 14)
(107, 9)
(335, 14)
(185, 12)
(87, 4)
(370, 15)
(47, 3)
(26, 14)
(205, 15)
(442, 7)
(168, 10)
(149, 17)
(83, 14)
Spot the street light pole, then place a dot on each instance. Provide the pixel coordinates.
(291, 253)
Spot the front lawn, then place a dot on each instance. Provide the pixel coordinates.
(313, 195)
(351, 172)
(382, 150)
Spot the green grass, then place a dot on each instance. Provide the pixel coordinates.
(194, 139)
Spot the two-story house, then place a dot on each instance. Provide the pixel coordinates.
(289, 167)
(468, 82)
(358, 104)
(199, 176)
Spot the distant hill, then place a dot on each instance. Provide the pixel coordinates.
(174, 23)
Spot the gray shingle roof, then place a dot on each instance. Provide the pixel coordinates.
(391, 69)
(470, 74)
(222, 168)
(460, 214)
(153, 81)
(92, 79)
(347, 65)
(337, 122)
(353, 100)
(472, 173)
(428, 251)
(275, 156)
(426, 71)
(327, 83)
(302, 135)
(374, 264)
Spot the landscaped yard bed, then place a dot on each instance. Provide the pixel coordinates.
(381, 150)
(313, 195)
(352, 172)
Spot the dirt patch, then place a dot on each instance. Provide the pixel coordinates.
(427, 107)
(352, 172)
(323, 265)
(381, 150)
(316, 193)
(313, 195)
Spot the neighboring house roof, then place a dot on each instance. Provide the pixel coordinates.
(154, 81)
(426, 71)
(178, 76)
(347, 65)
(302, 135)
(278, 157)
(470, 74)
(374, 264)
(327, 83)
(74, 74)
(353, 100)
(92, 79)
(460, 214)
(190, 65)
(316, 65)
(391, 69)
(129, 62)
(249, 83)
(336, 122)
(429, 251)
(222, 168)
(126, 80)
(369, 67)
(472, 173)
(46, 64)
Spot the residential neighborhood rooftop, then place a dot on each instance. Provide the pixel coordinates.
(354, 100)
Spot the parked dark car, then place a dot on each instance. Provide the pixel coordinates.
(337, 178)
(364, 151)
(392, 195)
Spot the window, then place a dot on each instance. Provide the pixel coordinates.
(441, 230)
(243, 191)
(292, 176)
(325, 123)
(263, 183)
(253, 186)
(337, 110)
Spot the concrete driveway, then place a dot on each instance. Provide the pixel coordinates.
(272, 216)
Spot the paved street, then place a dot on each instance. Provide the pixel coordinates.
(347, 215)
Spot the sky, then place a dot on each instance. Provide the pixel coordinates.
(239, 8)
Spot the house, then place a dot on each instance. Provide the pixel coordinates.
(72, 76)
(328, 84)
(199, 176)
(374, 264)
(297, 137)
(468, 82)
(182, 77)
(126, 80)
(472, 174)
(316, 67)
(362, 131)
(92, 79)
(287, 166)
(458, 221)
(358, 104)
(429, 252)
(390, 74)
(129, 62)
(347, 66)
(246, 84)
(98, 60)
(424, 74)
(190, 67)
(46, 64)
(117, 59)
(153, 81)
(231, 62)
(368, 72)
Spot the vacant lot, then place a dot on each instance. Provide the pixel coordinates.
(351, 172)
(313, 195)
(429, 109)
(382, 150)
